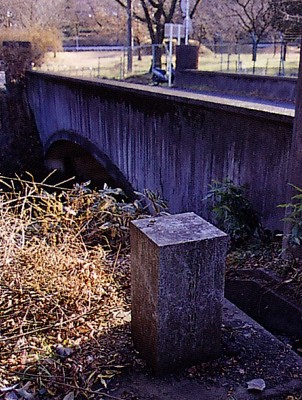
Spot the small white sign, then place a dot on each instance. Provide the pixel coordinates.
(174, 31)
(184, 5)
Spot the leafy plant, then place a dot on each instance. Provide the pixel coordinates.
(294, 218)
(232, 211)
(151, 202)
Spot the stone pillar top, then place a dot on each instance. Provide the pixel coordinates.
(174, 229)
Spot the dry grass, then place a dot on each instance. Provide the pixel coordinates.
(109, 64)
(64, 289)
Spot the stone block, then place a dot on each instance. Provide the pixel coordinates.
(177, 278)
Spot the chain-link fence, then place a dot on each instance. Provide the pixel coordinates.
(267, 58)
(104, 62)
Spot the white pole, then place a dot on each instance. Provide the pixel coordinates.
(187, 21)
(170, 56)
(129, 36)
(178, 33)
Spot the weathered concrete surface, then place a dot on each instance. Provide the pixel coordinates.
(249, 352)
(169, 141)
(281, 89)
(177, 283)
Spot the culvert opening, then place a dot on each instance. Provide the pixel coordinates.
(268, 301)
(71, 159)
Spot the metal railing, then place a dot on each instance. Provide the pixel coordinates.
(266, 58)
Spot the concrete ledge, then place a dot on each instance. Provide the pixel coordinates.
(266, 299)
(163, 94)
(262, 87)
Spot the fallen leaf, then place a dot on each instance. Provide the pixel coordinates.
(8, 388)
(125, 315)
(63, 351)
(69, 396)
(25, 394)
(11, 396)
(256, 384)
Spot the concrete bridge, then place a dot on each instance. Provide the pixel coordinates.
(170, 141)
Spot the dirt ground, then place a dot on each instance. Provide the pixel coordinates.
(248, 352)
(80, 59)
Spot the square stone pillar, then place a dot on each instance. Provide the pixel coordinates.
(177, 278)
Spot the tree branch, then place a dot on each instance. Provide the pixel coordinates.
(197, 2)
(148, 20)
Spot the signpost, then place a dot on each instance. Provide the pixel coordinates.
(129, 35)
(172, 31)
(185, 8)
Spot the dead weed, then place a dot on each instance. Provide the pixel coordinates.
(64, 289)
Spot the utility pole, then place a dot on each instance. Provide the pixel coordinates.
(187, 21)
(129, 35)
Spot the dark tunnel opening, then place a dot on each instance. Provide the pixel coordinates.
(71, 159)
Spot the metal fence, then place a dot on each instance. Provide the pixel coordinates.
(267, 58)
(103, 62)
(276, 58)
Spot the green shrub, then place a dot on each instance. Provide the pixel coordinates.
(294, 218)
(232, 211)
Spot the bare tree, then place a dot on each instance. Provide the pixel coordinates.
(155, 14)
(212, 21)
(288, 17)
(234, 19)
(29, 13)
(253, 16)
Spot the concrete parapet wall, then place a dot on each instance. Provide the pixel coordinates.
(169, 141)
(278, 88)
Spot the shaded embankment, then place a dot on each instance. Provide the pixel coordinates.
(20, 148)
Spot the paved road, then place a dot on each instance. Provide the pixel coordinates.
(251, 102)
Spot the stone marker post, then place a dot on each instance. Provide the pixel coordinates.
(177, 267)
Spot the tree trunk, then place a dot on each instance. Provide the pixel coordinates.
(295, 158)
(159, 38)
